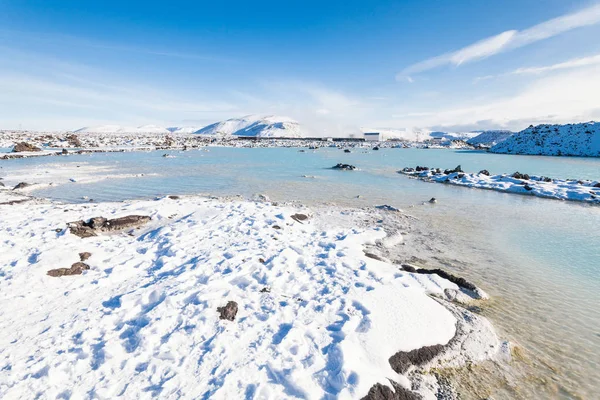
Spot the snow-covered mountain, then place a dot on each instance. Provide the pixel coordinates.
(489, 138)
(255, 125)
(183, 129)
(123, 129)
(452, 135)
(554, 140)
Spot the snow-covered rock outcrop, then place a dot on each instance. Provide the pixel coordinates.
(489, 138)
(554, 140)
(255, 125)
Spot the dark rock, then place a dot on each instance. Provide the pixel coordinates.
(299, 217)
(433, 200)
(229, 311)
(174, 197)
(484, 172)
(376, 148)
(384, 392)
(402, 360)
(386, 207)
(1, 184)
(419, 168)
(450, 171)
(84, 256)
(347, 151)
(408, 169)
(460, 176)
(518, 175)
(76, 269)
(345, 167)
(546, 179)
(597, 185)
(261, 260)
(408, 268)
(99, 224)
(24, 146)
(265, 290)
(461, 282)
(276, 227)
(21, 185)
(528, 188)
(74, 140)
(64, 152)
(374, 256)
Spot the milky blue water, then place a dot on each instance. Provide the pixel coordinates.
(538, 258)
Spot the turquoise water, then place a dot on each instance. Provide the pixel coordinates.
(538, 258)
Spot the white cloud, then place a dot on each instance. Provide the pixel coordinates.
(568, 96)
(507, 40)
(569, 64)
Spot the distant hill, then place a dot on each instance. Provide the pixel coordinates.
(452, 135)
(255, 125)
(554, 140)
(123, 129)
(489, 138)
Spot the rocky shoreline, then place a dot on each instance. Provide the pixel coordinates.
(580, 190)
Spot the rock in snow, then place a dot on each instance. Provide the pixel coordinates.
(24, 146)
(229, 311)
(99, 224)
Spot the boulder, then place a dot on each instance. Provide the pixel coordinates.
(347, 151)
(408, 169)
(433, 200)
(450, 171)
(24, 146)
(22, 185)
(229, 311)
(345, 167)
(84, 256)
(384, 392)
(419, 168)
(100, 224)
(76, 269)
(484, 172)
(74, 140)
(403, 360)
(299, 217)
(518, 175)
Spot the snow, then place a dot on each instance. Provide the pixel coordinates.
(489, 138)
(584, 191)
(123, 129)
(255, 125)
(554, 140)
(142, 322)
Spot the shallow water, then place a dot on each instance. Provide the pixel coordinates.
(539, 259)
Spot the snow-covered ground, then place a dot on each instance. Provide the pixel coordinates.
(317, 318)
(489, 138)
(585, 191)
(554, 140)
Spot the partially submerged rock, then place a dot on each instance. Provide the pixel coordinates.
(229, 311)
(518, 175)
(386, 207)
(484, 172)
(24, 146)
(450, 171)
(383, 392)
(99, 224)
(76, 269)
(21, 185)
(345, 167)
(403, 360)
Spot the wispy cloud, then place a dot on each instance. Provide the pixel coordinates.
(569, 64)
(506, 41)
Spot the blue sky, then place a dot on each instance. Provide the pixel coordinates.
(333, 66)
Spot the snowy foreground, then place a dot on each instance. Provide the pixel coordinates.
(317, 317)
(585, 191)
